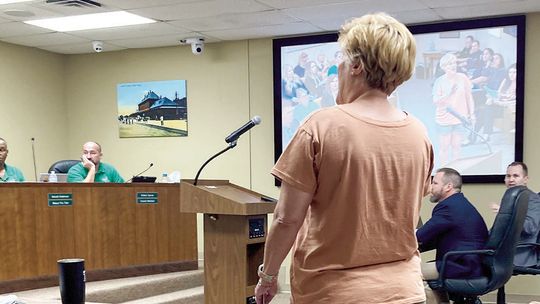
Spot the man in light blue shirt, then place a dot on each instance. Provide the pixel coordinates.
(91, 169)
(8, 173)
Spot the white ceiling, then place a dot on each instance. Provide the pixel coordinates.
(220, 20)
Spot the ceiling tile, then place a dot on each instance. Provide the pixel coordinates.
(200, 9)
(341, 12)
(234, 21)
(131, 4)
(45, 39)
(301, 3)
(132, 31)
(12, 29)
(265, 31)
(480, 10)
(39, 13)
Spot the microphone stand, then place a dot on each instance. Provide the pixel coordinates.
(34, 159)
(231, 145)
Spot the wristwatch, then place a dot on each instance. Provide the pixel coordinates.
(266, 278)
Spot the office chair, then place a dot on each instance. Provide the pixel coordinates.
(520, 270)
(62, 166)
(498, 253)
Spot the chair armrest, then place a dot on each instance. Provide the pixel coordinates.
(463, 252)
(521, 245)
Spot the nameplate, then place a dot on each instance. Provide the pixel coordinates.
(147, 198)
(59, 199)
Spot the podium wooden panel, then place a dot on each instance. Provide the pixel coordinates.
(105, 225)
(231, 256)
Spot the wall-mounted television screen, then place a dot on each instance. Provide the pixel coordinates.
(487, 103)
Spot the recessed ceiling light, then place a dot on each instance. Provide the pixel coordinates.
(90, 21)
(12, 1)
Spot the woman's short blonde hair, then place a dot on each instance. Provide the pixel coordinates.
(383, 46)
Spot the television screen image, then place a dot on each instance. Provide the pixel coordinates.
(467, 89)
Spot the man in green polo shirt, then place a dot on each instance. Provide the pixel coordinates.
(91, 169)
(8, 173)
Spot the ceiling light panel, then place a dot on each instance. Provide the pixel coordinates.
(90, 21)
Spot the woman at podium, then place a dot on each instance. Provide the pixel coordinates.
(353, 177)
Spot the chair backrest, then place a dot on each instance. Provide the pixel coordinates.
(505, 235)
(62, 166)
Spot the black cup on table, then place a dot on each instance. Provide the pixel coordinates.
(72, 281)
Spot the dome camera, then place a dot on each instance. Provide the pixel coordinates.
(98, 46)
(197, 48)
(197, 44)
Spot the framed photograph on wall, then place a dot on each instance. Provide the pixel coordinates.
(152, 109)
(468, 90)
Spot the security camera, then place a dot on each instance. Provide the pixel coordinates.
(98, 46)
(197, 44)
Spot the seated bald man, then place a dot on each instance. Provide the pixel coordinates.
(91, 169)
(8, 173)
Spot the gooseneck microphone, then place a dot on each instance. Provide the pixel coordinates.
(231, 140)
(243, 129)
(150, 166)
(34, 158)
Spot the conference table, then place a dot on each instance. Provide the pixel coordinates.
(119, 230)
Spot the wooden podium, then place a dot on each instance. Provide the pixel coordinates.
(235, 229)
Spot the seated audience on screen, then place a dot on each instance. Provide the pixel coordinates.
(507, 90)
(464, 53)
(290, 83)
(91, 169)
(517, 175)
(455, 224)
(489, 80)
(8, 173)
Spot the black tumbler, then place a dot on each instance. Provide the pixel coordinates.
(72, 278)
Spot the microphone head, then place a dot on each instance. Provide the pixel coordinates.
(151, 164)
(32, 139)
(256, 119)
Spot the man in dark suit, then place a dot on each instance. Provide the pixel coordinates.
(517, 174)
(455, 224)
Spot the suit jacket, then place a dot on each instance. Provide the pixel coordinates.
(525, 256)
(455, 225)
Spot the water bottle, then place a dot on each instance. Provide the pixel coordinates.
(164, 178)
(52, 177)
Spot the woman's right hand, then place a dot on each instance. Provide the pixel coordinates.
(265, 292)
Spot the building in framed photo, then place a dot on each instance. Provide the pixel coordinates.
(152, 109)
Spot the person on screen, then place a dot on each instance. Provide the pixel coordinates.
(464, 53)
(289, 125)
(313, 81)
(333, 69)
(8, 173)
(454, 111)
(342, 195)
(489, 80)
(330, 92)
(517, 174)
(300, 68)
(455, 224)
(304, 105)
(91, 169)
(290, 83)
(507, 89)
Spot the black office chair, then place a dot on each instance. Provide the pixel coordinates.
(62, 166)
(520, 270)
(498, 253)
